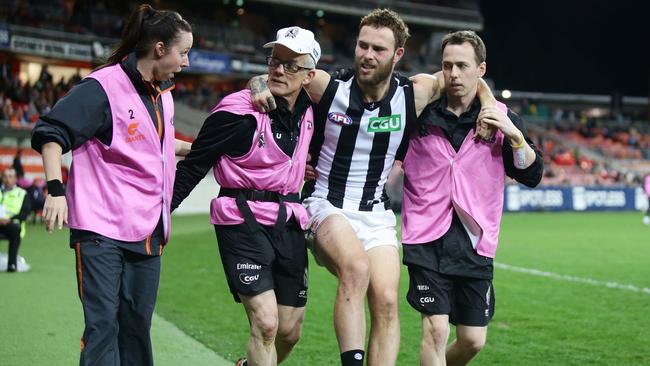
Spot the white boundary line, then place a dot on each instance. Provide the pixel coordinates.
(589, 281)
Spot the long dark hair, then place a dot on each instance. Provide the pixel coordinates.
(146, 26)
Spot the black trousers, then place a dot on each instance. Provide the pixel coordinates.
(12, 231)
(118, 290)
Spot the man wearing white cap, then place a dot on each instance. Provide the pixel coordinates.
(259, 161)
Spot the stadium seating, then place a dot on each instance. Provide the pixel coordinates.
(577, 149)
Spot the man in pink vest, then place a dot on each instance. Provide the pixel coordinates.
(453, 202)
(259, 160)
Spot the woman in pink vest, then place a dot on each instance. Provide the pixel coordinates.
(453, 202)
(118, 122)
(259, 161)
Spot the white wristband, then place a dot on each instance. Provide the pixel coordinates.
(519, 157)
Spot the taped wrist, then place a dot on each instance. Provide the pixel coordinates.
(55, 188)
(519, 156)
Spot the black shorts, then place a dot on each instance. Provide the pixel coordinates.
(467, 301)
(255, 262)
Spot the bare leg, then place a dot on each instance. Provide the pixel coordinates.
(289, 329)
(383, 303)
(338, 247)
(435, 333)
(262, 314)
(469, 341)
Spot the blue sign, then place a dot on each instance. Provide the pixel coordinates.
(520, 198)
(4, 36)
(209, 62)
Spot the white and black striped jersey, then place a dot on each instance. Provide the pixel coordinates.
(355, 144)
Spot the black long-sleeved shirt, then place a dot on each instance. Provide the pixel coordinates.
(225, 133)
(453, 253)
(84, 113)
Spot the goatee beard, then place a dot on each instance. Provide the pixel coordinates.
(381, 74)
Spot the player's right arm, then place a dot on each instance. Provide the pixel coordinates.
(426, 89)
(264, 101)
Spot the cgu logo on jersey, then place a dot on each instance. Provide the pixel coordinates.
(385, 124)
(339, 118)
(134, 134)
(247, 279)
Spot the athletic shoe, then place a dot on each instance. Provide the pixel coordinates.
(646, 220)
(21, 265)
(241, 362)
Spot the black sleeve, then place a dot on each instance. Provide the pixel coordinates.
(342, 74)
(411, 120)
(532, 175)
(222, 133)
(25, 209)
(80, 115)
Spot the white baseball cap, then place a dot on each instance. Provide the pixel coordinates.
(298, 40)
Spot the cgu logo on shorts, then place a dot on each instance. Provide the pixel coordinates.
(426, 300)
(134, 134)
(339, 118)
(247, 279)
(385, 124)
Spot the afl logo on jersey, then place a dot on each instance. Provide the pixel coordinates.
(339, 118)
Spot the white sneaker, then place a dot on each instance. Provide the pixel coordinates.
(21, 263)
(646, 220)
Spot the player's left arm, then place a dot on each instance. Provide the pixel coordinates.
(426, 89)
(485, 96)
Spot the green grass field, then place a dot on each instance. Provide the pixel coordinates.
(589, 308)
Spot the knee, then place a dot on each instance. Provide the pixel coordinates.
(12, 229)
(471, 344)
(290, 333)
(355, 274)
(435, 331)
(266, 326)
(386, 302)
(101, 331)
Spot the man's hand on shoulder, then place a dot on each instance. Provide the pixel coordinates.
(261, 96)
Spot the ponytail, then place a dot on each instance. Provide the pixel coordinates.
(145, 27)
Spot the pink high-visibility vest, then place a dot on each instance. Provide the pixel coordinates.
(437, 180)
(264, 167)
(121, 190)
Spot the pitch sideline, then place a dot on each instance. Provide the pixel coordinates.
(589, 281)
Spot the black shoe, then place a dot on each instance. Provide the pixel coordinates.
(11, 268)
